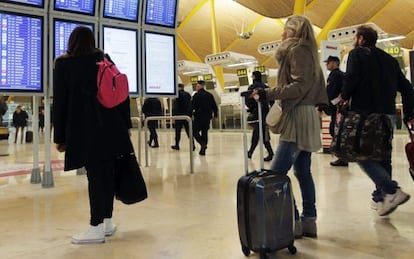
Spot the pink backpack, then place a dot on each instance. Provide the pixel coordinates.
(112, 84)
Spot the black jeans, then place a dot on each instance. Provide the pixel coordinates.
(152, 125)
(200, 131)
(255, 139)
(101, 185)
(179, 124)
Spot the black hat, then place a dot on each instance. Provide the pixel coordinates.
(201, 82)
(332, 58)
(180, 85)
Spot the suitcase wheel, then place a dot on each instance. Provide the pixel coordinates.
(246, 250)
(292, 249)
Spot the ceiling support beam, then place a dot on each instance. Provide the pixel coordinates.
(188, 52)
(215, 41)
(390, 2)
(299, 7)
(193, 12)
(335, 19)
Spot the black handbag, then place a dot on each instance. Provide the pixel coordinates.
(362, 137)
(130, 186)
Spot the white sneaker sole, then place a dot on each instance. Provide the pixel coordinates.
(407, 197)
(88, 241)
(110, 232)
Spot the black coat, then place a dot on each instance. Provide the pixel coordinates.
(203, 105)
(152, 107)
(89, 131)
(371, 81)
(181, 105)
(20, 119)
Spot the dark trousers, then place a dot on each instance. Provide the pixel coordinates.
(200, 131)
(179, 124)
(255, 139)
(152, 125)
(21, 128)
(101, 185)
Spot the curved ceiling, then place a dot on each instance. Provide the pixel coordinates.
(263, 19)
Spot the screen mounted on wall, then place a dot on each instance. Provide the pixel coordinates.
(35, 3)
(75, 6)
(62, 30)
(121, 45)
(126, 10)
(21, 56)
(160, 64)
(161, 12)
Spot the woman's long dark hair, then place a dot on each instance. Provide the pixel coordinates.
(81, 42)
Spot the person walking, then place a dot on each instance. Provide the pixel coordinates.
(20, 118)
(181, 106)
(372, 79)
(90, 135)
(333, 88)
(301, 87)
(253, 110)
(204, 108)
(152, 107)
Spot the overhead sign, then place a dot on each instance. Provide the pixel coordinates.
(241, 72)
(261, 69)
(208, 77)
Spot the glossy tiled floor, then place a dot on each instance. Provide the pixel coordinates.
(194, 216)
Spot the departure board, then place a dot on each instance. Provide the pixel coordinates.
(35, 3)
(62, 30)
(121, 9)
(160, 64)
(121, 45)
(161, 12)
(76, 6)
(21, 50)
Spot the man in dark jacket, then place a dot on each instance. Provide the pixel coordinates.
(181, 106)
(371, 81)
(204, 106)
(152, 107)
(253, 110)
(333, 89)
(20, 118)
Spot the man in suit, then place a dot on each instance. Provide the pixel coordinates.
(181, 106)
(333, 88)
(204, 107)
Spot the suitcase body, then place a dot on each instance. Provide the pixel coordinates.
(265, 213)
(29, 136)
(265, 210)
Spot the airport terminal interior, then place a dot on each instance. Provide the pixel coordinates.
(191, 209)
(194, 215)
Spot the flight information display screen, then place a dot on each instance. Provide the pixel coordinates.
(161, 12)
(62, 30)
(160, 64)
(76, 6)
(36, 3)
(121, 45)
(121, 9)
(21, 50)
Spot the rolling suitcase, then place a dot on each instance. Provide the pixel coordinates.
(29, 136)
(265, 211)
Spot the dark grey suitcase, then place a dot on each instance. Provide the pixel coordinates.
(29, 136)
(265, 211)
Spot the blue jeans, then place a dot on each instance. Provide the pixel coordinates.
(287, 155)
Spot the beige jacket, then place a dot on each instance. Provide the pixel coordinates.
(297, 84)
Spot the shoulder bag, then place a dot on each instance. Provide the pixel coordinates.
(273, 117)
(130, 186)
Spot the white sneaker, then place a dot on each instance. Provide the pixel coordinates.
(94, 235)
(392, 201)
(109, 227)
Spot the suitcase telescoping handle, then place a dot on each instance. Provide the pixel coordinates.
(244, 123)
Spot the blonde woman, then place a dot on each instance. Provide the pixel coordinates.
(301, 86)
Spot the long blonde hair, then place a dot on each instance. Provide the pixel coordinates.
(300, 27)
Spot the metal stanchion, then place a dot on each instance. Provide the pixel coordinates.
(178, 117)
